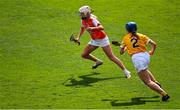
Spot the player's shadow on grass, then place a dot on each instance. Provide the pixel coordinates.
(134, 101)
(85, 80)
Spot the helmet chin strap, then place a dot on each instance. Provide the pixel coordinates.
(86, 17)
(83, 18)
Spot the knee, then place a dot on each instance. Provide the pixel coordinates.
(83, 55)
(148, 83)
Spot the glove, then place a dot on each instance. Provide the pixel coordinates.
(116, 43)
(72, 38)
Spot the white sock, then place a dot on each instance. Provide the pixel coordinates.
(126, 71)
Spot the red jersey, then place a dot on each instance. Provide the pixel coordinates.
(93, 22)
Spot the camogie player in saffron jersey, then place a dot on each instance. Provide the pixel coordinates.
(135, 43)
(98, 39)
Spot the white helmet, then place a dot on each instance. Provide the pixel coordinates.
(85, 10)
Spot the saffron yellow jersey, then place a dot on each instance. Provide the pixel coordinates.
(135, 43)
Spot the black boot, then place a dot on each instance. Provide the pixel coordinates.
(165, 98)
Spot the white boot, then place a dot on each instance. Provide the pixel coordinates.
(127, 73)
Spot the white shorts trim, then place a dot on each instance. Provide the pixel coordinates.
(100, 42)
(141, 61)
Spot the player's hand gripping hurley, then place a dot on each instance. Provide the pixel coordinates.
(73, 39)
(116, 43)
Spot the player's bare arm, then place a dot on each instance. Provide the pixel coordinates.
(82, 29)
(99, 27)
(153, 47)
(122, 49)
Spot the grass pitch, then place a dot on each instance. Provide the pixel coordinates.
(40, 68)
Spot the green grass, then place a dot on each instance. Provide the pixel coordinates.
(40, 68)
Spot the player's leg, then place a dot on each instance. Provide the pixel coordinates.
(145, 77)
(108, 51)
(153, 78)
(86, 53)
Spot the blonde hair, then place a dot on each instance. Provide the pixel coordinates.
(93, 16)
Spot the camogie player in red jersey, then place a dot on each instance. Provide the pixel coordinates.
(98, 39)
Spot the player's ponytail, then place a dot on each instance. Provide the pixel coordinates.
(135, 35)
(92, 15)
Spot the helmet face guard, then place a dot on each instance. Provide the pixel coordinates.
(131, 27)
(83, 15)
(84, 12)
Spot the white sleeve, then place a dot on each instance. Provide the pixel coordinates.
(95, 22)
(148, 41)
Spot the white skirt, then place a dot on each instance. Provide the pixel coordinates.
(141, 61)
(100, 42)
